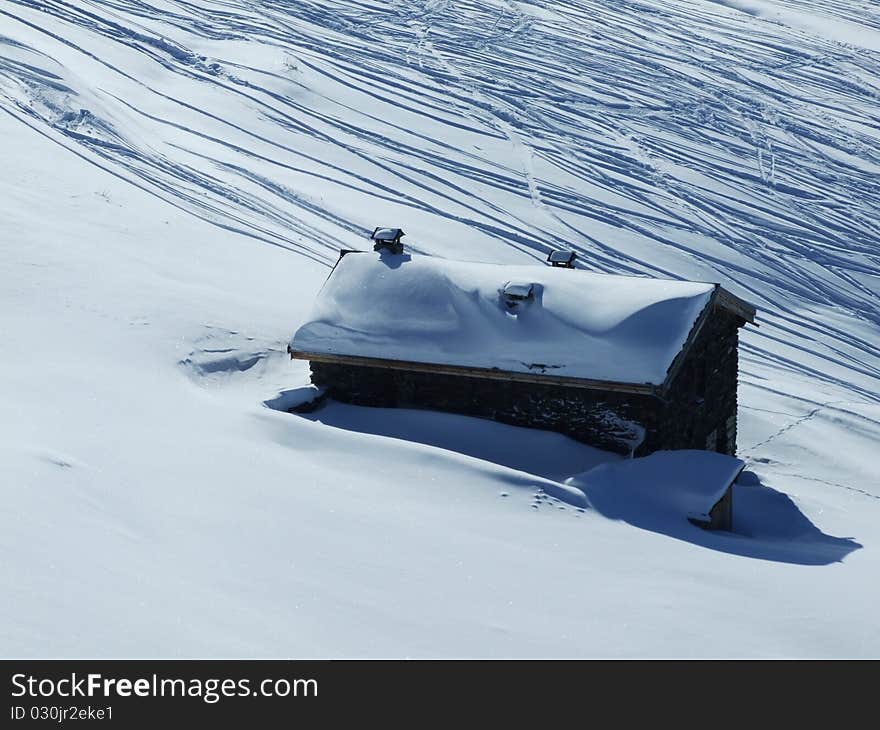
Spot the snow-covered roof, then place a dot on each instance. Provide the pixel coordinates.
(576, 324)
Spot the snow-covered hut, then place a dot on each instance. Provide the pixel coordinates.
(625, 363)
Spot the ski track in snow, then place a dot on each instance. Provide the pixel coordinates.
(732, 147)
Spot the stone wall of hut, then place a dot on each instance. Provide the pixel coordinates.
(613, 421)
(701, 404)
(699, 411)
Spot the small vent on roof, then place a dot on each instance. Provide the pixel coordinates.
(388, 239)
(562, 259)
(515, 293)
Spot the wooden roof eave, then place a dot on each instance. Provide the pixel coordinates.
(473, 372)
(733, 303)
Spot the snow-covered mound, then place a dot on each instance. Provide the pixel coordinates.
(548, 458)
(429, 310)
(667, 486)
(178, 178)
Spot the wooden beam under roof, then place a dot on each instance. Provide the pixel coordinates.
(472, 372)
(736, 305)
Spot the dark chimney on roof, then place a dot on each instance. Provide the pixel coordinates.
(388, 239)
(562, 259)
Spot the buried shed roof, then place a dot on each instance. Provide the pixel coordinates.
(417, 311)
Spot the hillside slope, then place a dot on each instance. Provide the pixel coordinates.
(178, 177)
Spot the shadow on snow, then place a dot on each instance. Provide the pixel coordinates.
(767, 524)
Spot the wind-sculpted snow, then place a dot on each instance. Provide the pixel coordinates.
(729, 141)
